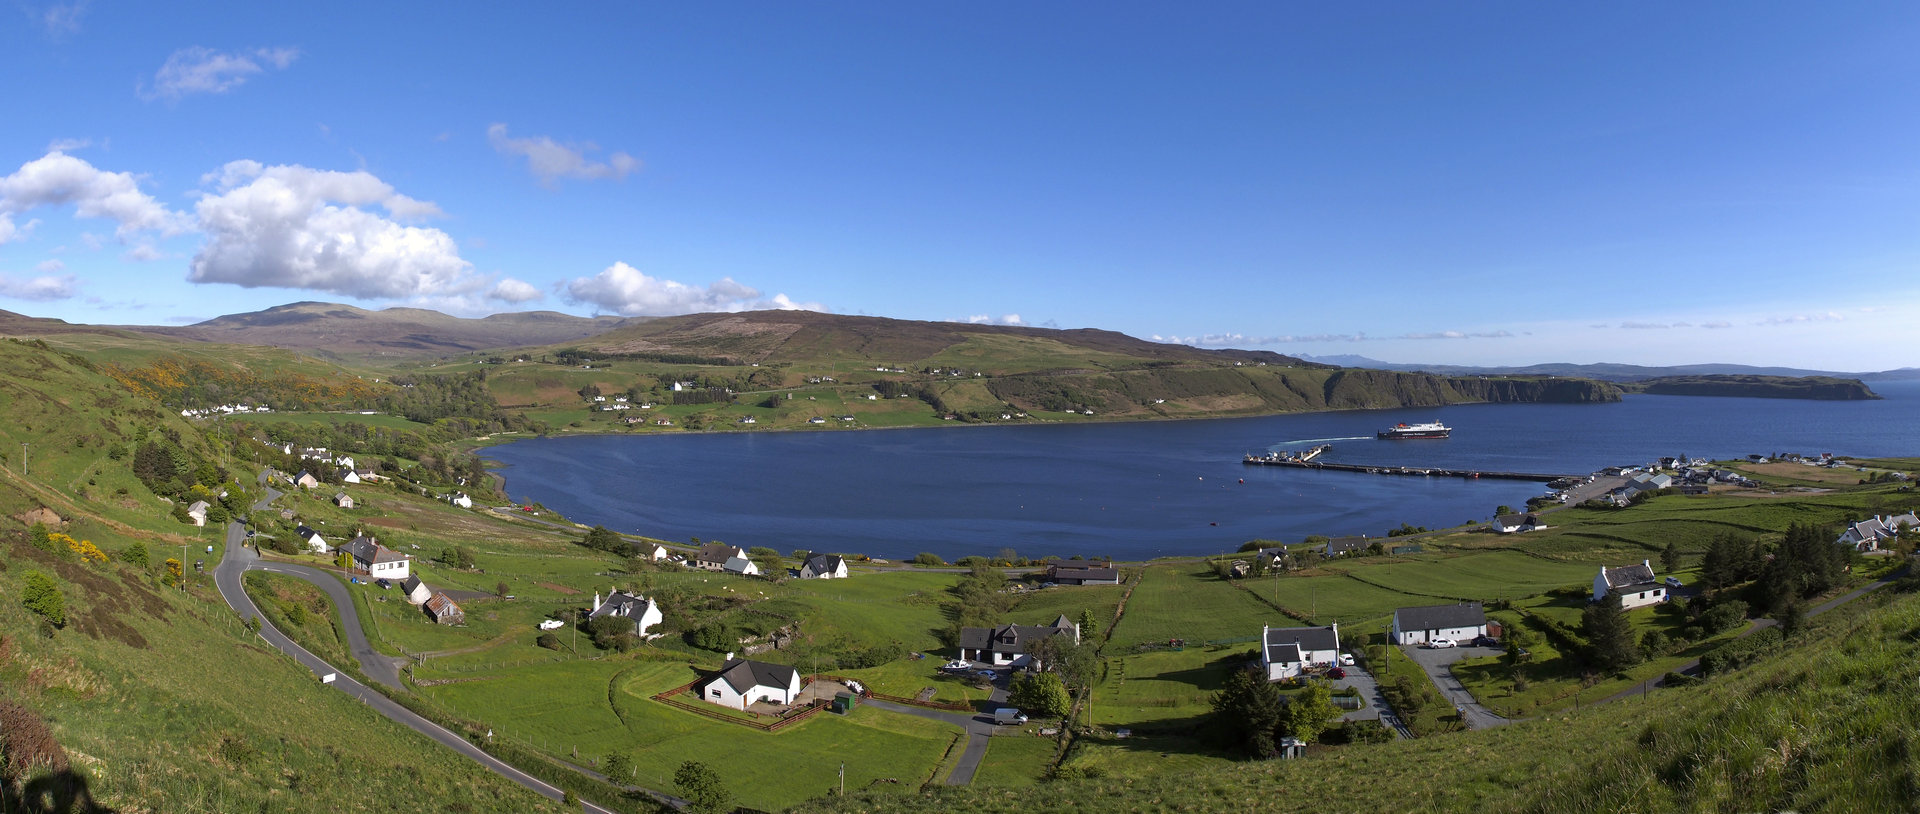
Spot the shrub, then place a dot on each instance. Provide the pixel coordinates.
(548, 641)
(1724, 616)
(928, 558)
(43, 597)
(1741, 652)
(135, 555)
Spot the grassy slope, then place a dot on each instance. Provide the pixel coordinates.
(1827, 727)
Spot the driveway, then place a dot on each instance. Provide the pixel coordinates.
(1439, 667)
(1374, 702)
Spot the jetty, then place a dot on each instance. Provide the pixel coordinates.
(1299, 461)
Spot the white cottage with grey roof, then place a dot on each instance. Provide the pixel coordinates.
(742, 683)
(1464, 620)
(1285, 651)
(643, 612)
(1634, 583)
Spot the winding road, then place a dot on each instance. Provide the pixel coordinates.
(227, 577)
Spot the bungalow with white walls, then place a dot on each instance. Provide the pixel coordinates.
(643, 612)
(1464, 620)
(742, 683)
(1285, 651)
(197, 512)
(1635, 584)
(378, 561)
(824, 566)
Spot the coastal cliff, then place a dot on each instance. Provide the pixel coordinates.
(1248, 391)
(1819, 388)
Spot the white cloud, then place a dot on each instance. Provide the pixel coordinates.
(204, 70)
(1716, 325)
(511, 290)
(39, 289)
(51, 266)
(63, 19)
(57, 179)
(552, 161)
(985, 319)
(68, 145)
(624, 290)
(296, 227)
(1796, 319)
(142, 252)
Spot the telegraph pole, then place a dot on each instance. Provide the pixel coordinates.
(23, 458)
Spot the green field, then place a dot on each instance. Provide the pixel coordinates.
(1188, 602)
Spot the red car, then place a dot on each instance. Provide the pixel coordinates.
(1337, 673)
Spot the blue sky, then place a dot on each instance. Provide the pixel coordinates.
(1487, 183)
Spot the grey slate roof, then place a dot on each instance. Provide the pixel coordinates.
(717, 553)
(743, 675)
(1629, 575)
(1518, 520)
(305, 533)
(412, 584)
(365, 549)
(621, 603)
(823, 563)
(1011, 638)
(1284, 654)
(1437, 617)
(1302, 638)
(1341, 545)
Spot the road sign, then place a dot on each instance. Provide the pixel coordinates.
(328, 678)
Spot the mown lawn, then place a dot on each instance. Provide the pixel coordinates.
(1188, 602)
(1165, 687)
(1015, 761)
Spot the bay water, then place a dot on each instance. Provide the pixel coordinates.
(1140, 490)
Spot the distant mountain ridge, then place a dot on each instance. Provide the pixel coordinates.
(340, 331)
(1612, 372)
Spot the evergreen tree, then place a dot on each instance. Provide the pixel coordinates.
(1670, 557)
(1246, 713)
(1609, 635)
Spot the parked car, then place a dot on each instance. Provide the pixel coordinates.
(1440, 644)
(552, 624)
(986, 674)
(1674, 582)
(1346, 659)
(383, 583)
(957, 664)
(1337, 672)
(1485, 641)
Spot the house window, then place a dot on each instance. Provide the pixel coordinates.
(716, 693)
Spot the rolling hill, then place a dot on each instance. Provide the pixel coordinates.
(344, 332)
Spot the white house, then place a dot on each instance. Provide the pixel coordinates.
(198, 512)
(824, 566)
(416, 592)
(306, 480)
(1869, 534)
(715, 556)
(656, 552)
(1006, 646)
(1285, 651)
(1516, 523)
(349, 476)
(378, 561)
(741, 683)
(1464, 620)
(343, 500)
(311, 540)
(644, 612)
(741, 566)
(1635, 584)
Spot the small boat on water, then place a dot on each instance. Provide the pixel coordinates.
(1431, 429)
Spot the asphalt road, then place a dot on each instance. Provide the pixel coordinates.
(227, 576)
(1438, 665)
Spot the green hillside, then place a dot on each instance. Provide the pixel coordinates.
(137, 662)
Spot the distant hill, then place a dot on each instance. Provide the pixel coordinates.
(1608, 371)
(346, 332)
(810, 336)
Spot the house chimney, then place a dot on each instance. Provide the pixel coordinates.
(1648, 564)
(596, 602)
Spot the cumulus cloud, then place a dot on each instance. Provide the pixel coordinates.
(625, 290)
(551, 160)
(40, 289)
(296, 227)
(511, 290)
(986, 319)
(58, 179)
(204, 70)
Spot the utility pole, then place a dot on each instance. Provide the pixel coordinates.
(23, 458)
(843, 778)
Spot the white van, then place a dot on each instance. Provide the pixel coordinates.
(1008, 715)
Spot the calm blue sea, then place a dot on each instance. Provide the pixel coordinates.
(1148, 489)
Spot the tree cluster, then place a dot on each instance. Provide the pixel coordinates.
(1250, 714)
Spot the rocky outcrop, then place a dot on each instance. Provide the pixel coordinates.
(1819, 388)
